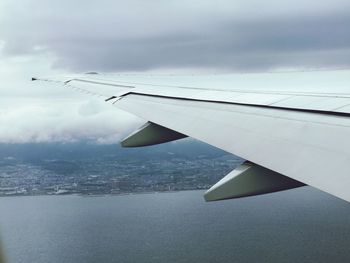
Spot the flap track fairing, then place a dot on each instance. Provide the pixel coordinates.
(151, 134)
(247, 180)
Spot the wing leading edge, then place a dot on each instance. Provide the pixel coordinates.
(302, 137)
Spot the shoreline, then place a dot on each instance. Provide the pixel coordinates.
(101, 195)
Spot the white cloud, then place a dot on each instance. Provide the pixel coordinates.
(63, 120)
(46, 112)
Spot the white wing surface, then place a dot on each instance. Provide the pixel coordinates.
(293, 128)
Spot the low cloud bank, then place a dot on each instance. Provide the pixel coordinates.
(64, 121)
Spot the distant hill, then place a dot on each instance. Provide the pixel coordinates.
(32, 152)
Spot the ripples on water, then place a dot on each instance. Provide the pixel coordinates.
(303, 225)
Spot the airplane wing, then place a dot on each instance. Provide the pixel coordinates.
(287, 126)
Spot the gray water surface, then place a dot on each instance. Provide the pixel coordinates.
(303, 225)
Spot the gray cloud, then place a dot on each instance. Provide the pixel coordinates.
(148, 35)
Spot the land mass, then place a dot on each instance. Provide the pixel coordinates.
(89, 169)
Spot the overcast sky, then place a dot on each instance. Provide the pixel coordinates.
(44, 37)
